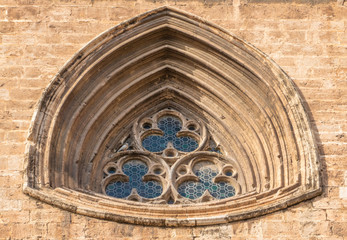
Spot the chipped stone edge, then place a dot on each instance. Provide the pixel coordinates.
(57, 199)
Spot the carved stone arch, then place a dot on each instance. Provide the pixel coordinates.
(167, 60)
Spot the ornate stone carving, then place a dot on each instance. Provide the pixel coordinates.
(185, 167)
(231, 98)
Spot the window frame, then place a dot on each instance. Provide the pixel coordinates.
(51, 170)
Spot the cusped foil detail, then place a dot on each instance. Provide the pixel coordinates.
(136, 176)
(169, 158)
(248, 138)
(169, 129)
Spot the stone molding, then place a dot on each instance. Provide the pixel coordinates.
(168, 58)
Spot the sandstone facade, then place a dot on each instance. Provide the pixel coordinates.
(307, 39)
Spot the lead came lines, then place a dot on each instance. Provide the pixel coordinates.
(170, 125)
(195, 183)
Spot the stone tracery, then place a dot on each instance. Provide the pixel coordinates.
(171, 136)
(243, 111)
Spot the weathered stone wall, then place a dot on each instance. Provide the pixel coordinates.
(308, 40)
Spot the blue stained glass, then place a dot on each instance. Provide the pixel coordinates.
(206, 171)
(215, 150)
(229, 173)
(111, 170)
(170, 125)
(135, 170)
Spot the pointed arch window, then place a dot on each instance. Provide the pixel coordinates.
(169, 120)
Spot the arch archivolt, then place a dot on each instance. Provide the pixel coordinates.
(241, 113)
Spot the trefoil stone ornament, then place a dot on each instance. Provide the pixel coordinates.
(169, 120)
(184, 166)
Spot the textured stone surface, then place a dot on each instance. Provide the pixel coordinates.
(38, 37)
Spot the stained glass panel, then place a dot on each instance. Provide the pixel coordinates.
(135, 170)
(206, 172)
(170, 125)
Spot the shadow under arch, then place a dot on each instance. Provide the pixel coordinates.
(168, 58)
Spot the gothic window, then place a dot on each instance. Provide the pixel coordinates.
(185, 164)
(169, 120)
